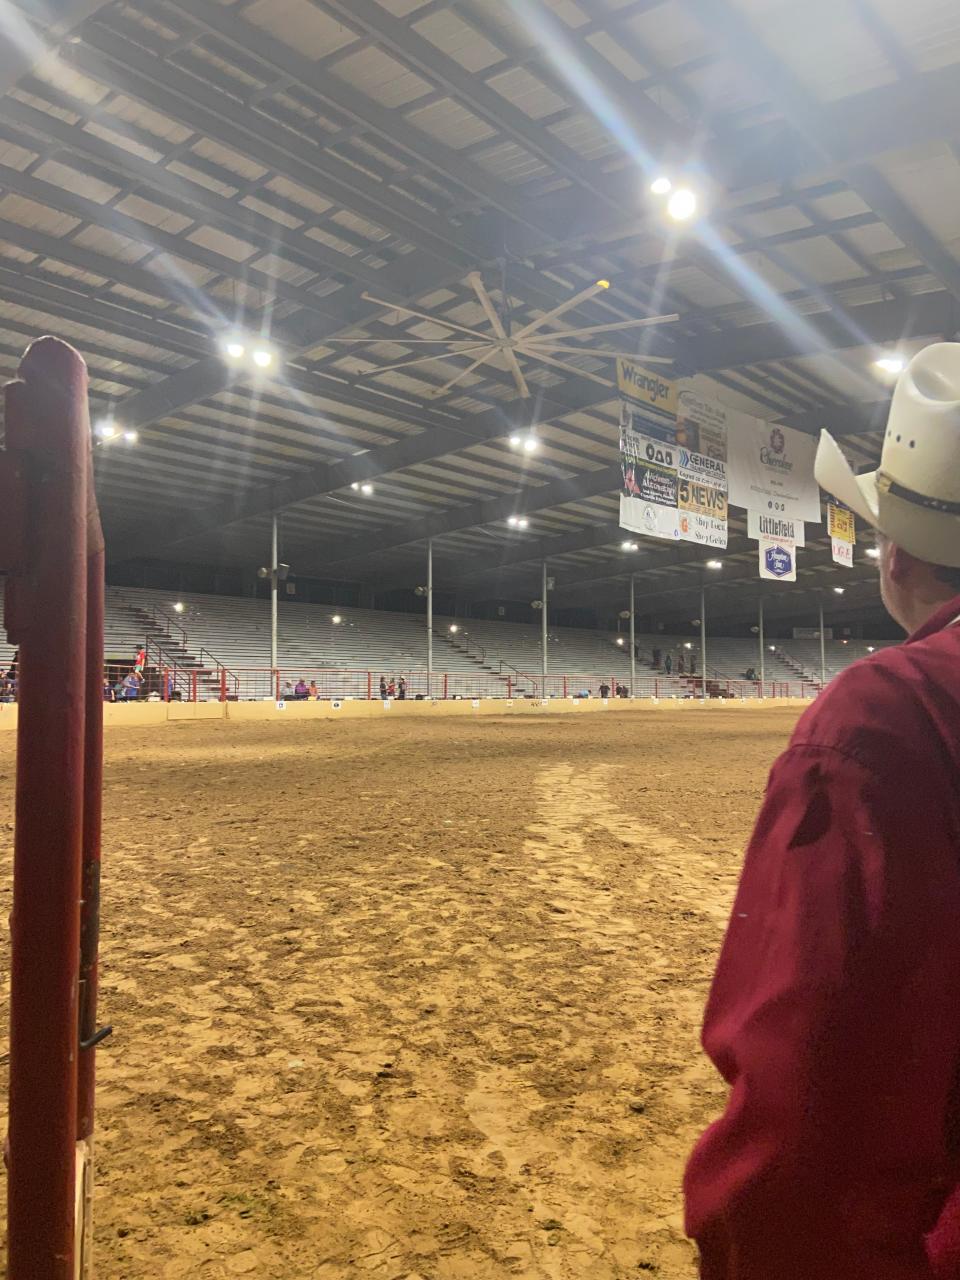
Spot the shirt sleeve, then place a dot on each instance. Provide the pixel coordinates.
(835, 1019)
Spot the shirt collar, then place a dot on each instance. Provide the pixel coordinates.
(945, 617)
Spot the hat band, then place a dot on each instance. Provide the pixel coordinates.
(886, 484)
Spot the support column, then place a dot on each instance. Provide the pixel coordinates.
(543, 633)
(823, 652)
(703, 642)
(763, 646)
(274, 571)
(429, 617)
(633, 640)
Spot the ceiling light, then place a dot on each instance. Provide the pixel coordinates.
(234, 349)
(131, 437)
(870, 648)
(106, 430)
(355, 486)
(619, 639)
(531, 444)
(366, 489)
(661, 186)
(772, 648)
(454, 628)
(603, 284)
(688, 645)
(179, 607)
(839, 590)
(512, 521)
(714, 564)
(629, 546)
(336, 619)
(523, 522)
(891, 363)
(263, 358)
(515, 442)
(873, 553)
(682, 204)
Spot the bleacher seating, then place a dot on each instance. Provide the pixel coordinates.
(235, 632)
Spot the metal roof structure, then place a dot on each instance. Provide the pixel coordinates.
(175, 171)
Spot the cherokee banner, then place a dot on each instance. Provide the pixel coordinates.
(771, 468)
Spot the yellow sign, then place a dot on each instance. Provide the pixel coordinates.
(841, 523)
(637, 383)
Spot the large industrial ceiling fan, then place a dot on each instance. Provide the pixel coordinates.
(544, 339)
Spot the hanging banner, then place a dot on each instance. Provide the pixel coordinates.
(843, 534)
(648, 452)
(702, 470)
(770, 468)
(761, 525)
(778, 560)
(656, 394)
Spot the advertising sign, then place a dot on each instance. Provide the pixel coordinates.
(770, 468)
(702, 470)
(650, 389)
(762, 525)
(778, 560)
(843, 534)
(648, 501)
(703, 513)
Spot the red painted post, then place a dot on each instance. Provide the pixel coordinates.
(445, 679)
(369, 686)
(46, 615)
(165, 678)
(223, 684)
(510, 687)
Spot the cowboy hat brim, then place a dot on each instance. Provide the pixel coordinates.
(835, 475)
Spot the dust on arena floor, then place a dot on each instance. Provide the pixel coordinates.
(412, 1001)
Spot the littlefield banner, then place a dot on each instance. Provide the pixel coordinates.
(771, 468)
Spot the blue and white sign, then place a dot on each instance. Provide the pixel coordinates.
(778, 560)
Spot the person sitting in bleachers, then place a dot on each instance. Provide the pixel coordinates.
(604, 690)
(131, 686)
(750, 674)
(312, 692)
(300, 692)
(286, 693)
(383, 689)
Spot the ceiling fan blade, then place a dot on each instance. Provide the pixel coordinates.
(464, 372)
(475, 280)
(409, 311)
(583, 296)
(534, 353)
(610, 328)
(443, 355)
(598, 351)
(407, 342)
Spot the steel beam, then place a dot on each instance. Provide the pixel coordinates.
(22, 48)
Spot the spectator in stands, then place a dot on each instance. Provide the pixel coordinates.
(131, 686)
(313, 692)
(8, 689)
(392, 688)
(668, 664)
(681, 666)
(750, 674)
(287, 693)
(604, 690)
(623, 691)
(300, 692)
(108, 695)
(401, 688)
(693, 664)
(383, 689)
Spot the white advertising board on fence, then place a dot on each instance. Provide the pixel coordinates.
(770, 468)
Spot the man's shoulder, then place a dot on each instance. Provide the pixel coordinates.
(870, 710)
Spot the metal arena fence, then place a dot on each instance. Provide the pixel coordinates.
(259, 684)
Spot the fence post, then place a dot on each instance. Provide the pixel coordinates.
(51, 546)
(223, 684)
(369, 686)
(446, 685)
(510, 687)
(193, 686)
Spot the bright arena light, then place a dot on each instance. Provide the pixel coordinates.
(512, 521)
(891, 363)
(620, 640)
(629, 546)
(873, 553)
(870, 648)
(131, 437)
(106, 430)
(531, 444)
(661, 186)
(682, 205)
(523, 522)
(714, 564)
(366, 489)
(263, 358)
(336, 619)
(234, 349)
(454, 628)
(179, 607)
(839, 590)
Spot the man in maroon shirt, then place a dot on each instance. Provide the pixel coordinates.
(835, 1009)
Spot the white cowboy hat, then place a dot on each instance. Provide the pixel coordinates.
(914, 496)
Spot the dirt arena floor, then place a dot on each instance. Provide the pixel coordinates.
(411, 1000)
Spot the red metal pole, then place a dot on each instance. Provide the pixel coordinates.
(193, 686)
(445, 678)
(48, 436)
(223, 684)
(369, 686)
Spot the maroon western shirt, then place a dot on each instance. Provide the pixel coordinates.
(835, 1009)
